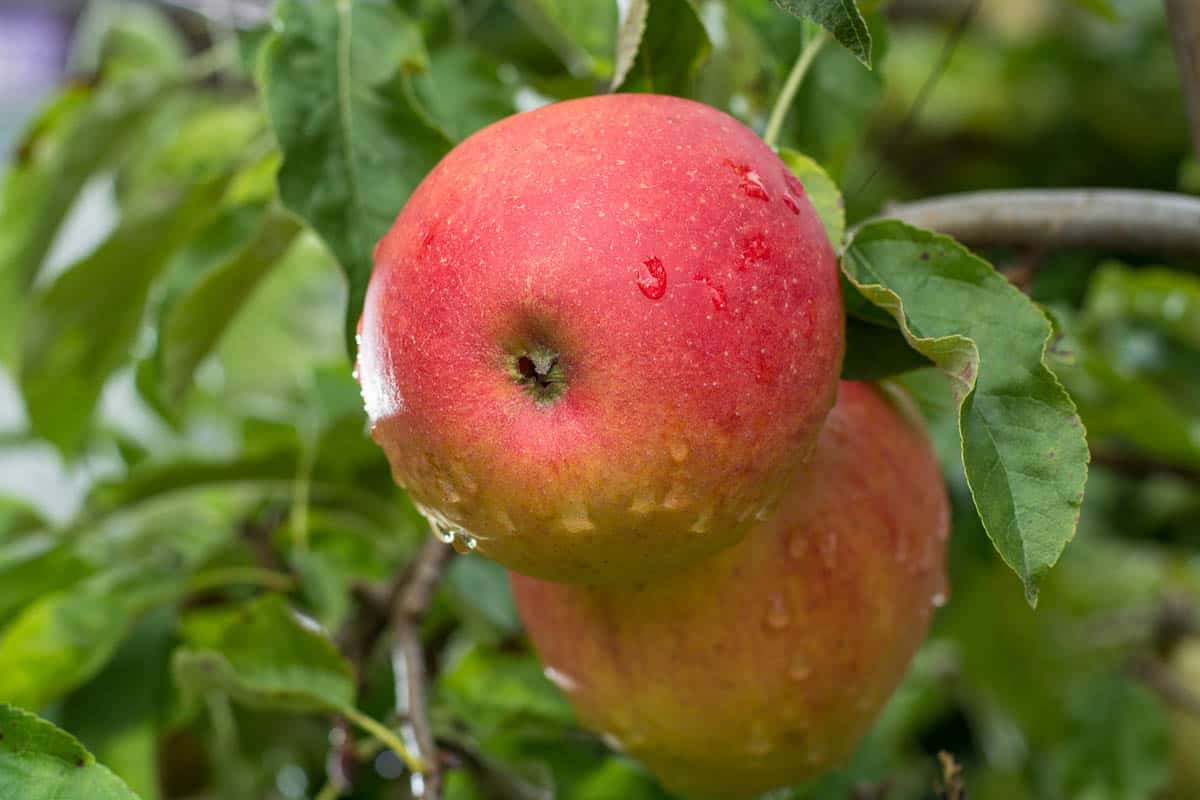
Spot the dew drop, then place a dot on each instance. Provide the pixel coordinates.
(754, 249)
(652, 280)
(793, 183)
(800, 669)
(505, 521)
(791, 204)
(677, 498)
(643, 502)
(938, 600)
(679, 452)
(716, 293)
(561, 679)
(444, 532)
(777, 616)
(612, 741)
(758, 744)
(797, 546)
(464, 543)
(575, 518)
(828, 546)
(764, 513)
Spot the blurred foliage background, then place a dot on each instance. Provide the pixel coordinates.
(182, 443)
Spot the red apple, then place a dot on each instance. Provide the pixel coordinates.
(765, 664)
(601, 336)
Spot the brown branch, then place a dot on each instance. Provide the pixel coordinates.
(408, 660)
(1117, 219)
(399, 608)
(1159, 678)
(1183, 20)
(1136, 466)
(952, 786)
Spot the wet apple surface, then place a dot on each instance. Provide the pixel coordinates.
(601, 336)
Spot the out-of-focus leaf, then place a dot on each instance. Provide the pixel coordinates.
(82, 326)
(582, 32)
(197, 319)
(63, 639)
(1165, 298)
(841, 18)
(463, 91)
(33, 566)
(821, 191)
(1101, 8)
(81, 132)
(875, 352)
(660, 47)
(504, 693)
(41, 762)
(1117, 744)
(1023, 445)
(267, 658)
(123, 39)
(118, 713)
(355, 143)
(479, 591)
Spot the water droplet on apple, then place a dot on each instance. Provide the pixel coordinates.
(677, 498)
(798, 546)
(612, 741)
(652, 278)
(505, 520)
(464, 543)
(758, 745)
(754, 250)
(777, 616)
(679, 452)
(644, 501)
(828, 546)
(800, 669)
(938, 600)
(444, 532)
(765, 512)
(701, 523)
(716, 293)
(575, 517)
(791, 204)
(560, 679)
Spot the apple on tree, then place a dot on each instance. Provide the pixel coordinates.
(765, 664)
(601, 337)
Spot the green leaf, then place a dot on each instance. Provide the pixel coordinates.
(265, 657)
(58, 643)
(80, 133)
(1023, 446)
(463, 91)
(841, 18)
(1165, 298)
(822, 192)
(582, 32)
(41, 762)
(1101, 8)
(660, 47)
(81, 328)
(196, 320)
(118, 713)
(479, 591)
(355, 143)
(501, 693)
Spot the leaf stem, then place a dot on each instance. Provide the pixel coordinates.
(248, 576)
(796, 77)
(385, 735)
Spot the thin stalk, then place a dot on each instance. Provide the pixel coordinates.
(792, 85)
(385, 735)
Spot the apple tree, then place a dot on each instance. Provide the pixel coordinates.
(211, 585)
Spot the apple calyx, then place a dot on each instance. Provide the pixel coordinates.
(539, 371)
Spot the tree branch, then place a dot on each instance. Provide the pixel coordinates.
(1117, 219)
(408, 663)
(1162, 681)
(1139, 466)
(1183, 20)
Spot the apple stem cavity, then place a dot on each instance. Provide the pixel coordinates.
(539, 371)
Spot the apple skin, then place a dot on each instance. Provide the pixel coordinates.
(766, 664)
(601, 336)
